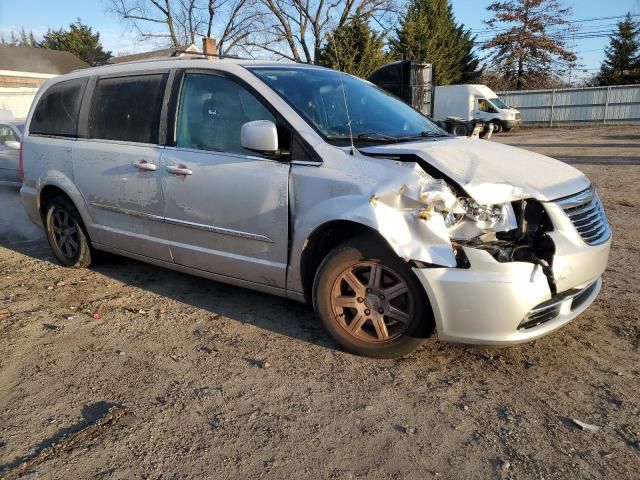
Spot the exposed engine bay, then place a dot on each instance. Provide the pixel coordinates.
(529, 242)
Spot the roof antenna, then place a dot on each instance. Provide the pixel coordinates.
(344, 96)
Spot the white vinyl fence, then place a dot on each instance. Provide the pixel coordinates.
(615, 104)
(17, 100)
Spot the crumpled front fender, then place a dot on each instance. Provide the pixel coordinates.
(401, 209)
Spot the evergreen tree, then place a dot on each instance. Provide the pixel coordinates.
(354, 48)
(525, 52)
(79, 40)
(428, 32)
(621, 65)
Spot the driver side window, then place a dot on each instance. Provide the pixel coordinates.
(483, 105)
(212, 111)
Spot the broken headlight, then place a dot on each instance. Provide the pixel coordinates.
(465, 218)
(470, 219)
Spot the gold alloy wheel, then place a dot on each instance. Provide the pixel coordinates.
(372, 302)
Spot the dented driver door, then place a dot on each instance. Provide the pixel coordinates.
(226, 208)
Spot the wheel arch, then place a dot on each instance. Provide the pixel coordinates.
(54, 187)
(324, 239)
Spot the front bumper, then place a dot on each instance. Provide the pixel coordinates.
(509, 124)
(491, 302)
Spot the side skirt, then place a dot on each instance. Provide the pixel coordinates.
(199, 273)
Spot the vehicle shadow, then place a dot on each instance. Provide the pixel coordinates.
(269, 312)
(279, 315)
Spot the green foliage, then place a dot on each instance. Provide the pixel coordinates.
(621, 65)
(23, 39)
(354, 48)
(428, 32)
(79, 40)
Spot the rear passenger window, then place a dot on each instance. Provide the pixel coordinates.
(58, 109)
(127, 108)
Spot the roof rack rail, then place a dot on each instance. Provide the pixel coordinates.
(217, 55)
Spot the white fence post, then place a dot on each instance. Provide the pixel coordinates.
(606, 106)
(553, 104)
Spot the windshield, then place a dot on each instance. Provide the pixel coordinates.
(499, 103)
(374, 114)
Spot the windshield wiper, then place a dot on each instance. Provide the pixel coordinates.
(381, 137)
(377, 136)
(365, 137)
(425, 134)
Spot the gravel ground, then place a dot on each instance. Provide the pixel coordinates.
(222, 382)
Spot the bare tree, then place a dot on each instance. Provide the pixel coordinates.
(532, 42)
(299, 27)
(181, 22)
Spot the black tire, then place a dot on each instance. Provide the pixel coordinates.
(66, 234)
(460, 130)
(497, 126)
(403, 336)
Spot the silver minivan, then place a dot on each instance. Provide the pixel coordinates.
(314, 185)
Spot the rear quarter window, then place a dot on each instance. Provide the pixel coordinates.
(127, 108)
(58, 109)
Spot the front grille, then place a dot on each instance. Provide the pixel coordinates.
(587, 215)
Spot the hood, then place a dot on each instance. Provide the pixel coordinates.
(491, 172)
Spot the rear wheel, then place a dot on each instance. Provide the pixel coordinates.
(370, 301)
(66, 234)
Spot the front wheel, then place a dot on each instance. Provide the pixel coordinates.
(370, 301)
(66, 234)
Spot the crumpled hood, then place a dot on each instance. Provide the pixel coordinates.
(491, 172)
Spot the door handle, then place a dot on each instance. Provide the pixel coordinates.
(144, 165)
(179, 170)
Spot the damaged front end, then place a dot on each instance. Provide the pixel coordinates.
(525, 238)
(445, 221)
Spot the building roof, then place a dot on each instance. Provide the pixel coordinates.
(165, 52)
(38, 60)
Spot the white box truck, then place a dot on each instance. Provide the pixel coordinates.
(474, 102)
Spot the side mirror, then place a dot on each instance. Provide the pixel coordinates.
(259, 136)
(12, 144)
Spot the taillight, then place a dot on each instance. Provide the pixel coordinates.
(20, 162)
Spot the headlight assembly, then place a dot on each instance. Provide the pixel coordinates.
(469, 219)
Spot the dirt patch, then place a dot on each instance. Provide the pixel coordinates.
(222, 382)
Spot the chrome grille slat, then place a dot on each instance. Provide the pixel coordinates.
(581, 212)
(585, 222)
(594, 235)
(587, 215)
(583, 229)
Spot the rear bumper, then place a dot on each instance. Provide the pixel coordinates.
(495, 303)
(29, 198)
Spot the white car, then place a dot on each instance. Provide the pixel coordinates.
(311, 184)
